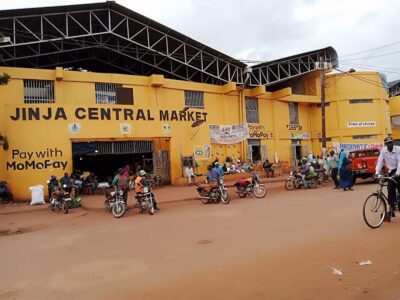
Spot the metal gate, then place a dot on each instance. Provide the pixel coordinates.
(298, 151)
(161, 163)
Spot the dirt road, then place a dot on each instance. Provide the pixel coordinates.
(282, 247)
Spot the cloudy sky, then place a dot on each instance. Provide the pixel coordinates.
(262, 30)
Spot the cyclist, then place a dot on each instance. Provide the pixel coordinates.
(390, 156)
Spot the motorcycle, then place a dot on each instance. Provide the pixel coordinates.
(250, 186)
(115, 202)
(59, 199)
(294, 181)
(145, 201)
(209, 193)
(322, 176)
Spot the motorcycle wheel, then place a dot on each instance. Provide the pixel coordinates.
(313, 183)
(260, 191)
(151, 209)
(118, 210)
(321, 178)
(241, 194)
(64, 207)
(225, 197)
(290, 185)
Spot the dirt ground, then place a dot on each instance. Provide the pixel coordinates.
(280, 247)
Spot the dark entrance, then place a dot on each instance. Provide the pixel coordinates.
(104, 158)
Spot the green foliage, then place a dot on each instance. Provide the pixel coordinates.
(75, 202)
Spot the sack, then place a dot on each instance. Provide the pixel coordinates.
(37, 195)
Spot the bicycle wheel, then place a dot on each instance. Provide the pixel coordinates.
(374, 210)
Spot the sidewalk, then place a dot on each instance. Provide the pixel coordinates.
(166, 194)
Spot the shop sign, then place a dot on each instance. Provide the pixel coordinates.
(229, 134)
(300, 135)
(100, 113)
(74, 128)
(361, 124)
(349, 147)
(259, 132)
(202, 152)
(49, 158)
(293, 127)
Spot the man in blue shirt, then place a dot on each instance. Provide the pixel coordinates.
(219, 169)
(212, 175)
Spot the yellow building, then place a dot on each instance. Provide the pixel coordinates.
(157, 98)
(57, 120)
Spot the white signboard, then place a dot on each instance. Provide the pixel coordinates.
(229, 134)
(354, 147)
(125, 128)
(74, 128)
(361, 124)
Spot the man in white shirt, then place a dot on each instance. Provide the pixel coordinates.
(190, 174)
(390, 156)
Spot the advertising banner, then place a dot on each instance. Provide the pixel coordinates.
(361, 124)
(229, 134)
(354, 147)
(202, 153)
(257, 131)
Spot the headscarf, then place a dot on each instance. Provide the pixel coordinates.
(341, 158)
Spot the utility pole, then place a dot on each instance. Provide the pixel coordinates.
(323, 127)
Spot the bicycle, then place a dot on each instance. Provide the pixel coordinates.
(376, 206)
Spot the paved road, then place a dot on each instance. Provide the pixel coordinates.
(281, 247)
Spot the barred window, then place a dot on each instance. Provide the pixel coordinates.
(38, 91)
(294, 112)
(106, 93)
(194, 99)
(252, 110)
(359, 101)
(364, 137)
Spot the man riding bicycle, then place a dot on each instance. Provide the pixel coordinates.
(390, 156)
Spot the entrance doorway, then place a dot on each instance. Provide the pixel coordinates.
(298, 151)
(254, 150)
(104, 158)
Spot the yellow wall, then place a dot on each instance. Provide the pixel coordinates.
(223, 106)
(394, 112)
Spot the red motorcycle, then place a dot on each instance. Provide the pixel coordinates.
(250, 186)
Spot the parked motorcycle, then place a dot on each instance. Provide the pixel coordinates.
(294, 181)
(322, 176)
(115, 202)
(59, 199)
(250, 186)
(145, 201)
(209, 193)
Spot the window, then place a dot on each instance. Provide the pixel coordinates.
(194, 99)
(106, 93)
(38, 91)
(395, 120)
(364, 137)
(327, 104)
(252, 110)
(294, 112)
(328, 139)
(359, 101)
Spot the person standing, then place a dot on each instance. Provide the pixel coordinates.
(390, 156)
(346, 179)
(334, 164)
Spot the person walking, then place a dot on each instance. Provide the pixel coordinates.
(334, 164)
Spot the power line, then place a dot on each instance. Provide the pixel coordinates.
(373, 49)
(361, 78)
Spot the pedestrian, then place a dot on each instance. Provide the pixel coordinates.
(267, 166)
(346, 178)
(334, 168)
(190, 174)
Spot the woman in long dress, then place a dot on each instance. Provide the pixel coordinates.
(346, 178)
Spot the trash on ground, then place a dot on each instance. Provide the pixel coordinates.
(365, 262)
(336, 272)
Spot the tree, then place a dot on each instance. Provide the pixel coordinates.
(5, 77)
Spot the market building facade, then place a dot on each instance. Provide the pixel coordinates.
(141, 93)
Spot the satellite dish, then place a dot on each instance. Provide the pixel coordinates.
(197, 123)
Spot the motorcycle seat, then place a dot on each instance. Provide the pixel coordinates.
(243, 182)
